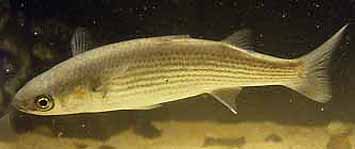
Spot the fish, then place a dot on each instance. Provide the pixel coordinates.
(145, 73)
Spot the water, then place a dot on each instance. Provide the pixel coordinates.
(35, 35)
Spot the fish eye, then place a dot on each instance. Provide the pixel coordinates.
(44, 103)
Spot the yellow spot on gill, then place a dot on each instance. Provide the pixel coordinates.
(80, 92)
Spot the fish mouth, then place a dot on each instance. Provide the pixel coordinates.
(19, 105)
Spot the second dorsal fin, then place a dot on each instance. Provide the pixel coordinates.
(243, 38)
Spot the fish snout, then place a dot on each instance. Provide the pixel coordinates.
(22, 105)
(17, 103)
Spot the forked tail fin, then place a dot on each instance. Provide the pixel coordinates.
(315, 84)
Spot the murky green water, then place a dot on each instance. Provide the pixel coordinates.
(35, 35)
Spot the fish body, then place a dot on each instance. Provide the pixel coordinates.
(144, 73)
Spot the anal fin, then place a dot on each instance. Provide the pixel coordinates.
(227, 97)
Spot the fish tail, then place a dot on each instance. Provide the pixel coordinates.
(315, 83)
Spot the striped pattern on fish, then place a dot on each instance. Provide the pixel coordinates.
(143, 73)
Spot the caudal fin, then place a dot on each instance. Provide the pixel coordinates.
(315, 84)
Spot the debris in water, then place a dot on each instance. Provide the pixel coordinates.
(273, 138)
(234, 142)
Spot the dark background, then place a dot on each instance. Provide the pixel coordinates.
(35, 35)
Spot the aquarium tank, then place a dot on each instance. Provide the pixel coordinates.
(190, 74)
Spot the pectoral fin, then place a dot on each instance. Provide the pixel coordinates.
(227, 97)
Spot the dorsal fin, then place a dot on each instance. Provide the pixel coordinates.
(243, 38)
(81, 41)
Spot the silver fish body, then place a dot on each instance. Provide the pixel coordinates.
(143, 73)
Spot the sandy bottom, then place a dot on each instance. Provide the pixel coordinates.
(280, 123)
(246, 135)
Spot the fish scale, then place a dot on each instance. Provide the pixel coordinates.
(198, 68)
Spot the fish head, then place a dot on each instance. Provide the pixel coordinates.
(49, 94)
(34, 97)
